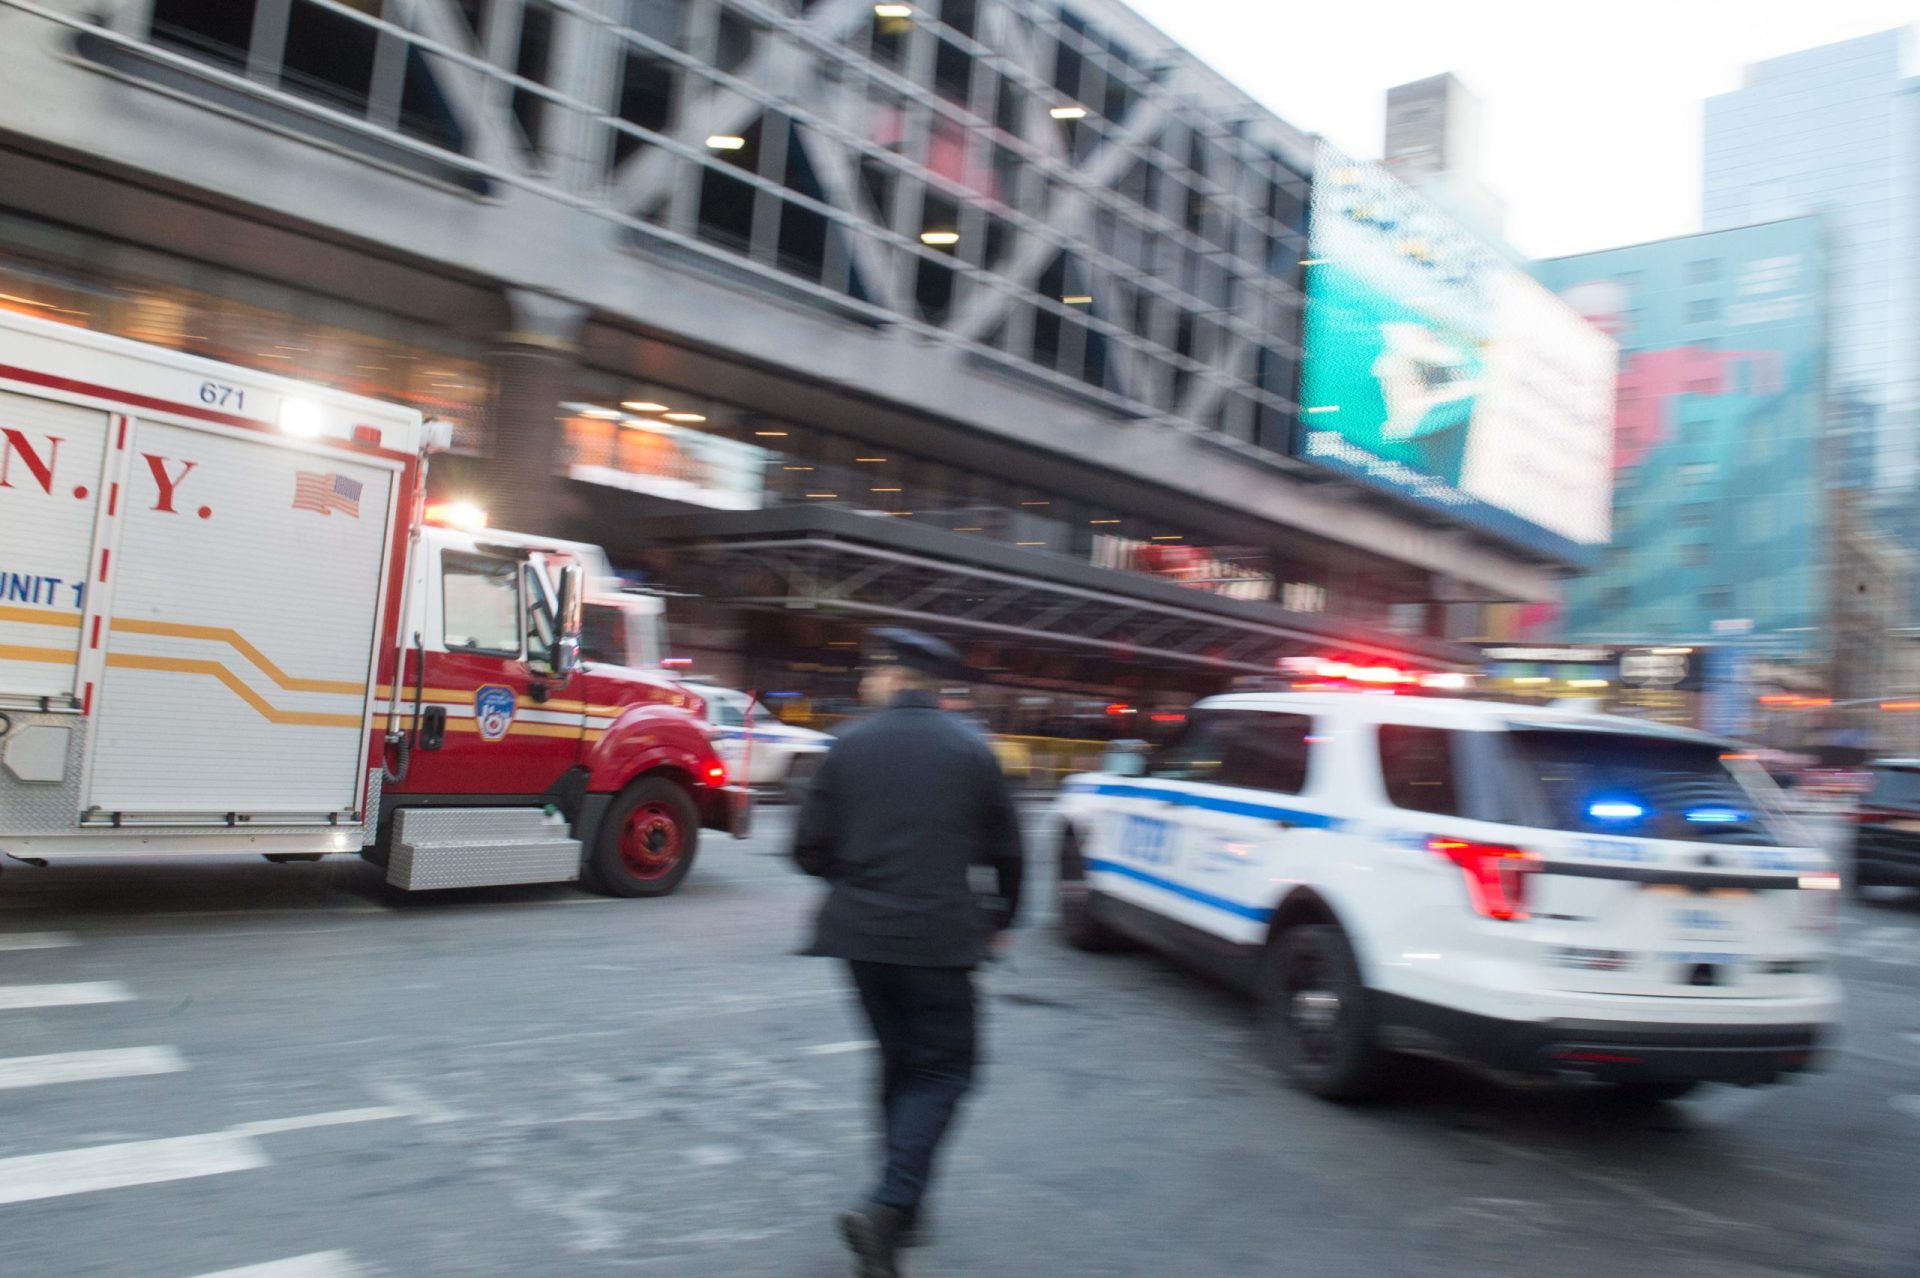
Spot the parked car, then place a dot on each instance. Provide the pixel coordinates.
(756, 747)
(1886, 842)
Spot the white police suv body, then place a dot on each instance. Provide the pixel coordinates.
(1525, 889)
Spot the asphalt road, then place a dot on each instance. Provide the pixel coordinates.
(280, 1072)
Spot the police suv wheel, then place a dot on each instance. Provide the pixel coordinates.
(1317, 1017)
(646, 841)
(1077, 923)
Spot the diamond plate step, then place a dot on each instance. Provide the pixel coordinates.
(435, 848)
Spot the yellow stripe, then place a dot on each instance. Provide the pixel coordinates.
(237, 641)
(213, 669)
(40, 617)
(50, 656)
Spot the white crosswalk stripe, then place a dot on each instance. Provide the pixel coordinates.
(36, 940)
(88, 1067)
(30, 1177)
(319, 1264)
(15, 998)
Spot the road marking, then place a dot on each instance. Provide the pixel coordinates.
(836, 1049)
(319, 1264)
(14, 998)
(141, 1162)
(36, 940)
(85, 1067)
(332, 1118)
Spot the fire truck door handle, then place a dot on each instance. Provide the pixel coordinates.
(433, 727)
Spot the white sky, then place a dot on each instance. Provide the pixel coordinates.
(1591, 115)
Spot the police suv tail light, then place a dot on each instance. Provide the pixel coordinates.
(1496, 875)
(716, 774)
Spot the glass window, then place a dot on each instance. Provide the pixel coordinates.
(603, 634)
(1703, 271)
(1702, 310)
(1416, 766)
(480, 604)
(1265, 751)
(1652, 786)
(1198, 753)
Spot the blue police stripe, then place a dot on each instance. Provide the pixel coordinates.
(1209, 803)
(1254, 912)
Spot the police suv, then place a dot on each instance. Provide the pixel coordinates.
(1519, 888)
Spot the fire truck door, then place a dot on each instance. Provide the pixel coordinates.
(493, 721)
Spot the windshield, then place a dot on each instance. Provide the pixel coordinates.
(1896, 787)
(1642, 786)
(729, 709)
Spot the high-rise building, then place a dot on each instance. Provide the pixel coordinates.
(1836, 131)
(1433, 144)
(1720, 519)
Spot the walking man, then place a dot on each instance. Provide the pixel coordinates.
(905, 804)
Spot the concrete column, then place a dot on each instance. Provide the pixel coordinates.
(534, 366)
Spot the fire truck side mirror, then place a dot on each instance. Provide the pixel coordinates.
(566, 645)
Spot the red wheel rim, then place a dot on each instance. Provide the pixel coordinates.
(652, 841)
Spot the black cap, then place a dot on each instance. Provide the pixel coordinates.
(894, 646)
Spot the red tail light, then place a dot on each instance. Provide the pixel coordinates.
(1496, 876)
(716, 773)
(1867, 816)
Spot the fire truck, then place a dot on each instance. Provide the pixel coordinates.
(229, 625)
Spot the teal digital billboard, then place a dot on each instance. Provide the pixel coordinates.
(1437, 370)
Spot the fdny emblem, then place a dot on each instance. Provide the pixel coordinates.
(493, 711)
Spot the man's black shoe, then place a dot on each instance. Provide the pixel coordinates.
(872, 1231)
(917, 1231)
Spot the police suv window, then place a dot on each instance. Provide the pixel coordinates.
(1252, 748)
(1198, 752)
(1416, 765)
(1266, 751)
(480, 604)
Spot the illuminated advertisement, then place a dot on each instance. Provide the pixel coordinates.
(1437, 370)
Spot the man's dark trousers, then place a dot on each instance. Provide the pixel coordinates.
(924, 1020)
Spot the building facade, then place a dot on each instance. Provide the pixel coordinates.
(1836, 131)
(1003, 295)
(1721, 469)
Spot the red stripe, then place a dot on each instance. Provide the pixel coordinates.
(113, 500)
(96, 633)
(86, 703)
(12, 373)
(104, 552)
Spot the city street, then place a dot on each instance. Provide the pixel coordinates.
(282, 1071)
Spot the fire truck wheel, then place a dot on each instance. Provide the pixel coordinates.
(647, 840)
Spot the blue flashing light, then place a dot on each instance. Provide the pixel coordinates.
(1615, 810)
(1715, 816)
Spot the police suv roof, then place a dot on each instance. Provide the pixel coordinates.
(1450, 712)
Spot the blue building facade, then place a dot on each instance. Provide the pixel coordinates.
(1720, 469)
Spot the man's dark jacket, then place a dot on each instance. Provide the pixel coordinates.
(904, 804)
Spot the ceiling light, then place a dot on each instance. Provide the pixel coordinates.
(642, 406)
(604, 414)
(805, 468)
(1168, 537)
(886, 490)
(869, 459)
(1078, 299)
(823, 494)
(684, 417)
(1324, 408)
(1036, 503)
(1029, 543)
(1103, 521)
(969, 530)
(1068, 113)
(893, 11)
(940, 239)
(771, 434)
(726, 142)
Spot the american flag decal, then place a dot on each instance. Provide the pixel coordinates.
(325, 494)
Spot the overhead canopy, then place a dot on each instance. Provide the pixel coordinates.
(875, 569)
